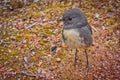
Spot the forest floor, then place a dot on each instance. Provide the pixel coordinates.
(28, 34)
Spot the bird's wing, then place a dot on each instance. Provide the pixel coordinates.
(84, 24)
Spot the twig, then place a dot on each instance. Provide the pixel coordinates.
(11, 42)
(94, 29)
(31, 25)
(28, 74)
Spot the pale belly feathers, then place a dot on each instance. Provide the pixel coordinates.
(73, 39)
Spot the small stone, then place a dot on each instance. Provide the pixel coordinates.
(26, 59)
(58, 60)
(49, 55)
(53, 49)
(97, 15)
(9, 50)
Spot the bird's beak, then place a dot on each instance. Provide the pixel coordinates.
(61, 19)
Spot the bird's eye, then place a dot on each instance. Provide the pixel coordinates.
(69, 19)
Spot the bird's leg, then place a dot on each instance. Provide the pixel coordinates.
(87, 62)
(87, 65)
(75, 59)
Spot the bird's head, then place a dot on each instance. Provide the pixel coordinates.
(73, 16)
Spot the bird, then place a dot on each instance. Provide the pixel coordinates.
(76, 32)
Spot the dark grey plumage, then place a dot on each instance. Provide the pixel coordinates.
(76, 31)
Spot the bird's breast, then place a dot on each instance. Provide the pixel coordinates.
(72, 38)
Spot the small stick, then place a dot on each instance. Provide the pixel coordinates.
(31, 25)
